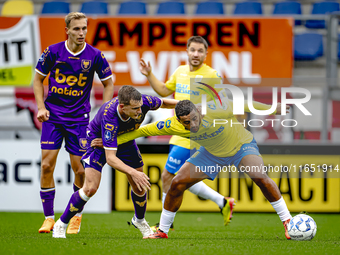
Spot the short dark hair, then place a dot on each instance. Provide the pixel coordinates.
(197, 39)
(127, 93)
(184, 108)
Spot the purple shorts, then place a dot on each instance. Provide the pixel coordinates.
(127, 152)
(53, 134)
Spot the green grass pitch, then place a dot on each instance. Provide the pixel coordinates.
(195, 233)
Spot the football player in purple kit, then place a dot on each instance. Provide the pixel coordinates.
(65, 112)
(120, 115)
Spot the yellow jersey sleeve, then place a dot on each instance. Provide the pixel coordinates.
(170, 126)
(171, 83)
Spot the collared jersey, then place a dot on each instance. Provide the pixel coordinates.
(70, 80)
(108, 123)
(179, 82)
(221, 140)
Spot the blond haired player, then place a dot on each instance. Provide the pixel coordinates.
(64, 114)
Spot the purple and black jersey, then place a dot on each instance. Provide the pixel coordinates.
(108, 123)
(70, 80)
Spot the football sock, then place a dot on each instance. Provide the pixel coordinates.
(163, 198)
(204, 191)
(139, 202)
(47, 199)
(76, 188)
(76, 203)
(167, 218)
(281, 208)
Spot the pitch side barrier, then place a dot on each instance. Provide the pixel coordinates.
(306, 174)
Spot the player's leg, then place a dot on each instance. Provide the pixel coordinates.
(79, 177)
(253, 165)
(182, 181)
(130, 155)
(76, 144)
(176, 158)
(47, 191)
(51, 140)
(78, 201)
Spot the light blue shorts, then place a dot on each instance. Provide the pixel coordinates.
(176, 158)
(202, 158)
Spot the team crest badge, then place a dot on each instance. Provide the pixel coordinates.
(85, 64)
(83, 143)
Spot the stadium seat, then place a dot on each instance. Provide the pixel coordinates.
(94, 7)
(132, 7)
(322, 8)
(248, 8)
(56, 7)
(289, 7)
(308, 46)
(17, 8)
(339, 46)
(210, 8)
(171, 7)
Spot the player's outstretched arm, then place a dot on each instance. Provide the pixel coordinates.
(169, 126)
(108, 90)
(38, 88)
(157, 85)
(141, 179)
(169, 103)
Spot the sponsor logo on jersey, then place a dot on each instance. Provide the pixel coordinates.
(176, 161)
(168, 123)
(109, 127)
(107, 135)
(205, 123)
(160, 125)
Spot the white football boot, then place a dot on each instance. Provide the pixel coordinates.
(143, 227)
(59, 229)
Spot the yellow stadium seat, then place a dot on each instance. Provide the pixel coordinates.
(17, 8)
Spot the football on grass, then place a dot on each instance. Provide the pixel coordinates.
(302, 227)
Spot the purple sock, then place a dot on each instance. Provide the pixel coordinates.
(75, 188)
(74, 206)
(140, 205)
(47, 198)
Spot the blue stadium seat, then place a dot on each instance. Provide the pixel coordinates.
(210, 7)
(322, 8)
(339, 47)
(308, 46)
(132, 7)
(56, 7)
(94, 7)
(171, 7)
(289, 7)
(248, 8)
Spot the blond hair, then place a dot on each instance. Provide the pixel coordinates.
(74, 15)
